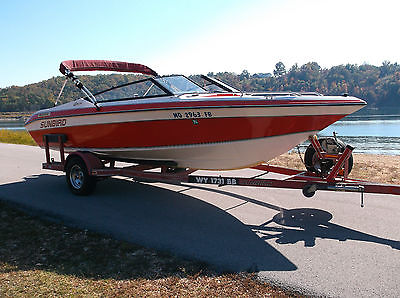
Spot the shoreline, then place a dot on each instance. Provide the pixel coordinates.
(14, 116)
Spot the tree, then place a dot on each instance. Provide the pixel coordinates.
(244, 75)
(294, 68)
(388, 69)
(280, 69)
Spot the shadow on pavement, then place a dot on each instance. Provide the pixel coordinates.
(153, 217)
(307, 224)
(303, 224)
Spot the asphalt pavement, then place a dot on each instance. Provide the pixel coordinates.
(325, 246)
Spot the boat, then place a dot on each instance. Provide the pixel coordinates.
(182, 123)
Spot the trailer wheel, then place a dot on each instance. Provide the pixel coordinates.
(78, 179)
(331, 146)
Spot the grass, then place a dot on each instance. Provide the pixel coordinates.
(38, 258)
(16, 137)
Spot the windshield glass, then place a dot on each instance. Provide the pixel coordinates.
(179, 85)
(138, 89)
(208, 85)
(212, 84)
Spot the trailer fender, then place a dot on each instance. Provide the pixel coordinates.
(91, 161)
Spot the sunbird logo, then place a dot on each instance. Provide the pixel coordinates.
(53, 123)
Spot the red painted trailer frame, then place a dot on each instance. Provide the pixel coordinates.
(336, 179)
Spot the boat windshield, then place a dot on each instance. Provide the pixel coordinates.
(152, 87)
(179, 85)
(138, 89)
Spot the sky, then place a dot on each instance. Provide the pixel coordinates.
(193, 37)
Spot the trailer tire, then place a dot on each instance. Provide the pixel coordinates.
(78, 179)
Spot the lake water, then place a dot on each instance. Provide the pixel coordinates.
(375, 134)
(15, 125)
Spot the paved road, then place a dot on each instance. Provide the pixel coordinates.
(325, 246)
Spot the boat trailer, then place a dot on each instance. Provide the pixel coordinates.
(83, 169)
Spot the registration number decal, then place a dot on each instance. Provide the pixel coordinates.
(192, 115)
(215, 180)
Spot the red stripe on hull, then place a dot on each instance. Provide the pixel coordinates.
(184, 132)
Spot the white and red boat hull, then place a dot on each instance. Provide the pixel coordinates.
(200, 133)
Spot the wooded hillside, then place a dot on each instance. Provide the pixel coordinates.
(378, 85)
